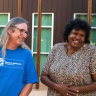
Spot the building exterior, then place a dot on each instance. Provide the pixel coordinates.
(55, 15)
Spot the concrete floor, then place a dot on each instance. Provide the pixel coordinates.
(42, 91)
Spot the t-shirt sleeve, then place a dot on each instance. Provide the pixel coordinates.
(30, 74)
(93, 63)
(49, 60)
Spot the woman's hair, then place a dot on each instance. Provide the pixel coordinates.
(77, 24)
(5, 36)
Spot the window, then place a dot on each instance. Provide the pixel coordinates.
(83, 16)
(4, 18)
(46, 36)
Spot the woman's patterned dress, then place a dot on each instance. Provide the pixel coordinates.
(76, 68)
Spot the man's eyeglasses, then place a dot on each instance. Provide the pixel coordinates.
(22, 31)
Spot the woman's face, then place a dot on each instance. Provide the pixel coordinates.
(76, 38)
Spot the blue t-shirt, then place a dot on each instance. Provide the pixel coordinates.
(16, 70)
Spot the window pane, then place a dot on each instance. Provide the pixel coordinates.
(45, 21)
(3, 19)
(45, 40)
(35, 40)
(35, 20)
(42, 60)
(1, 30)
(93, 21)
(93, 36)
(83, 17)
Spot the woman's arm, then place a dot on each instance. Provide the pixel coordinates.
(26, 90)
(62, 89)
(88, 88)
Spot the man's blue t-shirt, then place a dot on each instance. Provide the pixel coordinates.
(16, 70)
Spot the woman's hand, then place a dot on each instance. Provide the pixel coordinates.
(67, 90)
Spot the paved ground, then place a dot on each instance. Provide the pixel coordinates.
(42, 91)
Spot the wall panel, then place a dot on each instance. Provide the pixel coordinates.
(1, 5)
(6, 5)
(63, 12)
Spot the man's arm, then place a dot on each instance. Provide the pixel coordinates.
(26, 90)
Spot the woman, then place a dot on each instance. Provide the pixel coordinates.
(17, 71)
(70, 69)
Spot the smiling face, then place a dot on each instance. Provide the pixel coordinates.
(76, 38)
(17, 37)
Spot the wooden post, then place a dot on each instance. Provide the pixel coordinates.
(89, 13)
(19, 8)
(38, 42)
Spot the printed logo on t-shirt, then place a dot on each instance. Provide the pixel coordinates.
(11, 63)
(1, 61)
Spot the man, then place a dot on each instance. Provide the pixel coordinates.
(17, 70)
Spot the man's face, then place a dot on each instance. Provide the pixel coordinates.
(19, 34)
